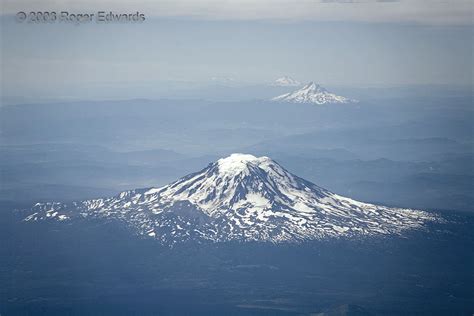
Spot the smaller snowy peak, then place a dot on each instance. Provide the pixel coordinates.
(286, 81)
(314, 94)
(313, 88)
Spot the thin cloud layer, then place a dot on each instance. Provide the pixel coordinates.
(430, 12)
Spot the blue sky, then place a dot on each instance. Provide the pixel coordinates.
(353, 43)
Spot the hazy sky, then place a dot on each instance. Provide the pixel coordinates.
(333, 42)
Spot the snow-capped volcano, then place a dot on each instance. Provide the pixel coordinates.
(286, 81)
(312, 93)
(241, 197)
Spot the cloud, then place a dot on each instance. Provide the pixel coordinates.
(430, 12)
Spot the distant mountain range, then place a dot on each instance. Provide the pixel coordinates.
(242, 198)
(286, 81)
(312, 93)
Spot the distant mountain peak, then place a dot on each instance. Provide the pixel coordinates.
(286, 81)
(239, 197)
(312, 93)
(312, 87)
